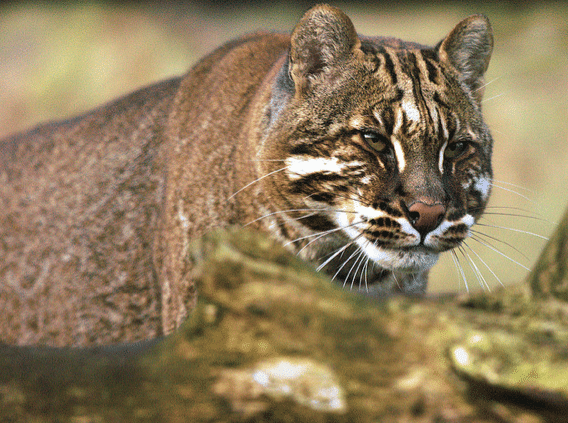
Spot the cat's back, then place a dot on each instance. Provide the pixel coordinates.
(83, 199)
(79, 199)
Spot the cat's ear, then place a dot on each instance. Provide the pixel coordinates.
(468, 49)
(323, 38)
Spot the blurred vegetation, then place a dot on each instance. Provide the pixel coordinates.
(58, 60)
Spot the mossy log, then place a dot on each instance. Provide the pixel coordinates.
(549, 278)
(271, 340)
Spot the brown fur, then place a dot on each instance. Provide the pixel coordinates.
(97, 212)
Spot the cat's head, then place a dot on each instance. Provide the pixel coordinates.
(380, 142)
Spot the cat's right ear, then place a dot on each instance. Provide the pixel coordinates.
(468, 49)
(323, 38)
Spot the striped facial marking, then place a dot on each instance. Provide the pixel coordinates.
(394, 131)
(299, 166)
(399, 153)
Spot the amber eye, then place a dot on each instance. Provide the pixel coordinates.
(456, 149)
(377, 142)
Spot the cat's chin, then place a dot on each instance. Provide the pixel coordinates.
(406, 271)
(404, 260)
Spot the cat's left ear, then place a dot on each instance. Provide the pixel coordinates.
(468, 49)
(323, 38)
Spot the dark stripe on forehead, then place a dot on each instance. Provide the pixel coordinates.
(447, 114)
(385, 109)
(389, 64)
(399, 96)
(387, 116)
(415, 73)
(441, 102)
(433, 74)
(431, 59)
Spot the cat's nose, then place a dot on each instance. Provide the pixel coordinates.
(426, 216)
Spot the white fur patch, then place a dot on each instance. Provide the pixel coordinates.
(304, 165)
(441, 158)
(411, 111)
(468, 220)
(409, 229)
(398, 260)
(483, 185)
(399, 154)
(369, 212)
(444, 129)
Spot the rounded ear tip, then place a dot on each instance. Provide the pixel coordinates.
(479, 21)
(480, 17)
(479, 29)
(468, 49)
(324, 37)
(326, 14)
(323, 25)
(323, 8)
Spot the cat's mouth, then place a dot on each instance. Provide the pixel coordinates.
(394, 245)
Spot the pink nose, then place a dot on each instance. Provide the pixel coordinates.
(425, 217)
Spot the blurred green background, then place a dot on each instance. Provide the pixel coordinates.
(58, 60)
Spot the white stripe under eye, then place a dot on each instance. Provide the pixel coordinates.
(304, 165)
(441, 158)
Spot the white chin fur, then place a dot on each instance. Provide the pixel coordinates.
(404, 261)
(400, 260)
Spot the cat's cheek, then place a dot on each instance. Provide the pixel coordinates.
(483, 186)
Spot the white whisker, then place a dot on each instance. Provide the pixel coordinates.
(500, 253)
(339, 251)
(526, 216)
(259, 179)
(484, 263)
(397, 282)
(319, 234)
(366, 273)
(477, 233)
(513, 192)
(288, 211)
(314, 210)
(362, 266)
(459, 268)
(479, 276)
(492, 98)
(360, 259)
(343, 265)
(513, 230)
(488, 83)
(514, 185)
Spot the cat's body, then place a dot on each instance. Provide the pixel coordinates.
(344, 148)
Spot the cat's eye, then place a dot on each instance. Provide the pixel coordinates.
(455, 149)
(377, 142)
